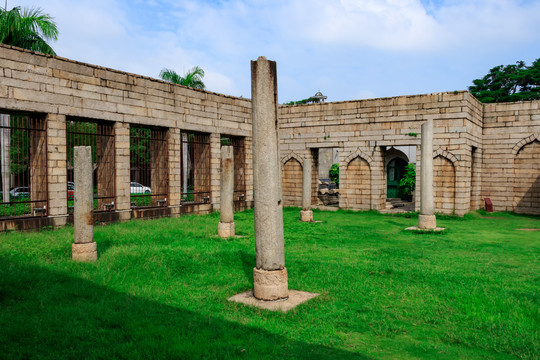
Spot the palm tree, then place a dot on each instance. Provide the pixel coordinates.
(192, 79)
(28, 28)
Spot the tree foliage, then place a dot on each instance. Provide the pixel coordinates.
(509, 83)
(408, 181)
(192, 79)
(334, 173)
(28, 28)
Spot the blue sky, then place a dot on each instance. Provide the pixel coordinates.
(348, 49)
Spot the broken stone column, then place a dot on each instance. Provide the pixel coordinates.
(226, 224)
(426, 219)
(84, 248)
(270, 275)
(306, 214)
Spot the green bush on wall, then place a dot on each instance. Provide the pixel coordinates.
(408, 181)
(334, 173)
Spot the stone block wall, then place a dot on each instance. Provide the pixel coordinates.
(367, 128)
(510, 165)
(292, 183)
(59, 88)
(480, 150)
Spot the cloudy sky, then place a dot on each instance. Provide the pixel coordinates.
(348, 49)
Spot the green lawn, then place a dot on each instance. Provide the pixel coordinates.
(160, 287)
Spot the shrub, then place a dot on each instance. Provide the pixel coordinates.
(408, 181)
(334, 173)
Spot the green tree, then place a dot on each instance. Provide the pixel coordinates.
(509, 83)
(28, 28)
(192, 79)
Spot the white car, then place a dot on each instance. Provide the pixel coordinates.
(137, 188)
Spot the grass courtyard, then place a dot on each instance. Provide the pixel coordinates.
(160, 287)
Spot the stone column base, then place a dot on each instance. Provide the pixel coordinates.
(306, 215)
(427, 221)
(226, 230)
(86, 252)
(270, 285)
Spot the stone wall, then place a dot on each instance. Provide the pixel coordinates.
(480, 151)
(369, 128)
(357, 185)
(510, 157)
(292, 183)
(60, 88)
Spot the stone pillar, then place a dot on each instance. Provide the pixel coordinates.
(123, 178)
(226, 224)
(306, 214)
(426, 219)
(84, 248)
(174, 146)
(270, 275)
(57, 169)
(5, 141)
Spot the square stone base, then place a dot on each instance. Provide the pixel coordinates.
(226, 230)
(295, 298)
(86, 252)
(427, 222)
(416, 228)
(306, 215)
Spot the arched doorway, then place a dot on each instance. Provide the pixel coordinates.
(394, 172)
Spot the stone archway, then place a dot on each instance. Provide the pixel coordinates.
(526, 197)
(357, 181)
(444, 184)
(395, 170)
(292, 183)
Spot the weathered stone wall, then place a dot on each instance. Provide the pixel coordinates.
(357, 185)
(479, 150)
(292, 183)
(444, 185)
(511, 170)
(368, 128)
(60, 88)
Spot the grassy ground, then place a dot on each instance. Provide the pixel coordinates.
(159, 290)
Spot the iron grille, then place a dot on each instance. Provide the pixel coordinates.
(23, 155)
(99, 136)
(195, 151)
(239, 168)
(149, 167)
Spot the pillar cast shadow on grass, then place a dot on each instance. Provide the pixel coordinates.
(84, 248)
(270, 282)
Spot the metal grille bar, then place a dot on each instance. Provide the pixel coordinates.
(239, 168)
(195, 149)
(23, 163)
(100, 136)
(149, 167)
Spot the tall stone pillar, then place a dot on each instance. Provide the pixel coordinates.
(5, 147)
(426, 219)
(306, 214)
(270, 274)
(84, 248)
(226, 224)
(123, 178)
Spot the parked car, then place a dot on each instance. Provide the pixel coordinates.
(21, 191)
(137, 188)
(70, 190)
